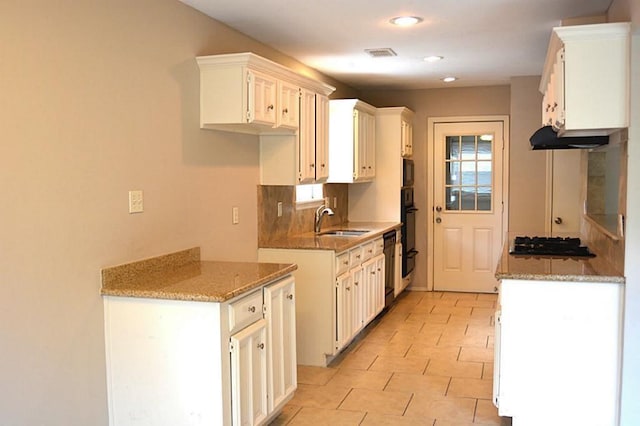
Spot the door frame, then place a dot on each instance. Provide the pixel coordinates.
(431, 122)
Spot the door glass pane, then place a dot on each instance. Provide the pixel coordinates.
(453, 173)
(484, 172)
(468, 147)
(484, 198)
(453, 147)
(469, 172)
(452, 201)
(468, 200)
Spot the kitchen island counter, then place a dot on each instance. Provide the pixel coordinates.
(183, 276)
(312, 241)
(556, 268)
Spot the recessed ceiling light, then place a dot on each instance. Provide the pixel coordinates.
(449, 79)
(406, 21)
(433, 58)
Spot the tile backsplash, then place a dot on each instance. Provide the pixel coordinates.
(295, 220)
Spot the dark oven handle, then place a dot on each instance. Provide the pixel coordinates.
(412, 209)
(412, 253)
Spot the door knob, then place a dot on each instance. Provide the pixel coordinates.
(438, 220)
(558, 220)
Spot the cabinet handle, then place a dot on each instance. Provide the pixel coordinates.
(252, 308)
(260, 345)
(373, 272)
(370, 251)
(348, 288)
(346, 262)
(355, 282)
(312, 165)
(322, 165)
(358, 257)
(290, 297)
(270, 107)
(285, 111)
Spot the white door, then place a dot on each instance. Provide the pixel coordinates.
(468, 205)
(280, 313)
(249, 375)
(566, 187)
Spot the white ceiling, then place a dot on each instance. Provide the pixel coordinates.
(484, 42)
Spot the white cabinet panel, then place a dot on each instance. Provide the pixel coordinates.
(249, 375)
(280, 310)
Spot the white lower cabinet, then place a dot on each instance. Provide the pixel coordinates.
(562, 366)
(249, 374)
(176, 362)
(338, 295)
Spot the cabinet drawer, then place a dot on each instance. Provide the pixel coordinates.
(245, 311)
(367, 250)
(355, 257)
(378, 246)
(342, 263)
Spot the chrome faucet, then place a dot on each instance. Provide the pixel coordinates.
(322, 210)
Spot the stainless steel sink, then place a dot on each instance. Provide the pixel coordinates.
(344, 232)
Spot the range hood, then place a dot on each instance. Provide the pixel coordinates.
(547, 138)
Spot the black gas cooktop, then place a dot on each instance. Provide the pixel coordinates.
(549, 246)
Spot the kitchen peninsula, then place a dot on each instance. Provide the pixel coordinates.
(558, 340)
(198, 342)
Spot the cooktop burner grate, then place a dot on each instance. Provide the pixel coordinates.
(549, 246)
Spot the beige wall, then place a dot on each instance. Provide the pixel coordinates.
(98, 98)
(436, 103)
(527, 168)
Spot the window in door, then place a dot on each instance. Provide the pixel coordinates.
(468, 169)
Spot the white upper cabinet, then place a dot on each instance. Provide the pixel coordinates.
(585, 80)
(243, 92)
(322, 138)
(406, 137)
(352, 128)
(288, 115)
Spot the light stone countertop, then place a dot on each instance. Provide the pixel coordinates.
(556, 268)
(311, 241)
(183, 276)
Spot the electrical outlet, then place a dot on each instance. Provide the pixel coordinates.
(136, 202)
(279, 208)
(235, 215)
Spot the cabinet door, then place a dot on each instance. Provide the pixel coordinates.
(288, 106)
(280, 314)
(369, 294)
(406, 139)
(307, 138)
(262, 98)
(358, 289)
(322, 138)
(364, 145)
(343, 310)
(249, 375)
(379, 284)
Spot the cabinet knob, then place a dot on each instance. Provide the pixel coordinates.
(348, 288)
(270, 107)
(438, 220)
(346, 262)
(285, 111)
(252, 308)
(260, 345)
(290, 297)
(312, 165)
(558, 220)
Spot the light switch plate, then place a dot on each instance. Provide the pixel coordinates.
(235, 215)
(136, 202)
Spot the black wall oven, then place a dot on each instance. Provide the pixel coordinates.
(408, 218)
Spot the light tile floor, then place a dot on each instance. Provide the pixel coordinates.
(427, 361)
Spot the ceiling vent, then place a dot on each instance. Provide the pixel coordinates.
(383, 52)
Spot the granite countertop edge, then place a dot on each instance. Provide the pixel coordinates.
(312, 241)
(182, 276)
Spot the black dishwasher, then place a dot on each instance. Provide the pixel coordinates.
(389, 267)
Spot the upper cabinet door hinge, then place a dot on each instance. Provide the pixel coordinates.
(264, 309)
